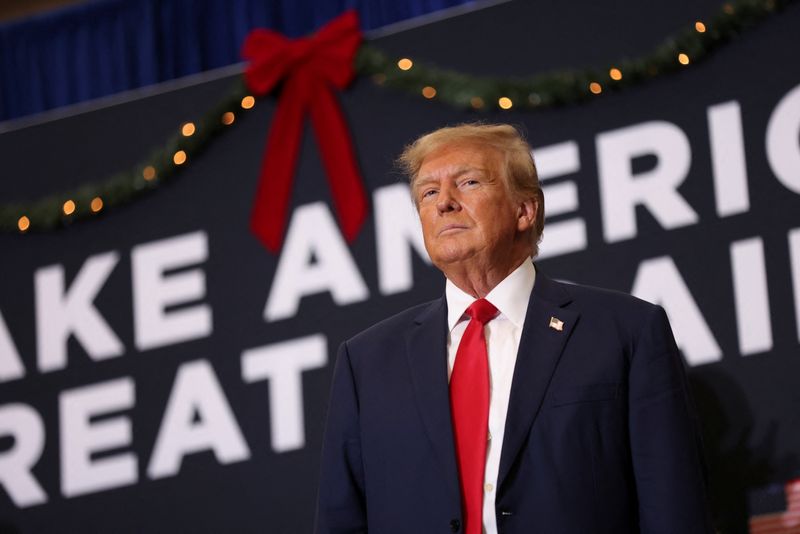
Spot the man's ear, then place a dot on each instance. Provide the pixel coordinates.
(526, 214)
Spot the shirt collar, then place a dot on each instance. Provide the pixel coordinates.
(509, 296)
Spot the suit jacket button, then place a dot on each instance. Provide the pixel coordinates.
(455, 524)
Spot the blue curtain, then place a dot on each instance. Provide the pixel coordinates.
(104, 47)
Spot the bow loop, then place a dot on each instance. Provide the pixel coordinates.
(269, 60)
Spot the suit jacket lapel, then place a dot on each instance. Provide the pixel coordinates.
(539, 351)
(426, 345)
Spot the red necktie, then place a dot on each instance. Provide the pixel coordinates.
(469, 405)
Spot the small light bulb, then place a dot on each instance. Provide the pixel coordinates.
(97, 204)
(228, 117)
(188, 129)
(405, 64)
(683, 59)
(428, 91)
(615, 74)
(23, 223)
(179, 158)
(149, 172)
(248, 102)
(595, 88)
(700, 27)
(505, 102)
(476, 102)
(68, 208)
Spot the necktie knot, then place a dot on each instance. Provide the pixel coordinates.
(482, 311)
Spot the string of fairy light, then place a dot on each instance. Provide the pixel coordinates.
(559, 88)
(564, 87)
(164, 163)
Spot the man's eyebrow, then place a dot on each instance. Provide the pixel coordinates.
(419, 182)
(458, 171)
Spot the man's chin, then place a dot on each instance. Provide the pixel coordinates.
(451, 256)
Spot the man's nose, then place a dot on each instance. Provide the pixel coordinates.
(447, 201)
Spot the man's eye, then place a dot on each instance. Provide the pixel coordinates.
(428, 193)
(469, 181)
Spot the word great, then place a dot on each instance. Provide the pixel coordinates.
(197, 417)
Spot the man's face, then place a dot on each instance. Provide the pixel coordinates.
(466, 209)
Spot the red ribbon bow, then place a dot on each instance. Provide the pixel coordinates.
(311, 68)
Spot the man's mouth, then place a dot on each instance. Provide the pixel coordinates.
(451, 229)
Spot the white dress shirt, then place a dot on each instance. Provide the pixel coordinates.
(502, 334)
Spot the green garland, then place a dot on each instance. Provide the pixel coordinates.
(564, 87)
(49, 212)
(457, 89)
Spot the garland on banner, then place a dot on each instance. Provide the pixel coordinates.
(559, 88)
(161, 165)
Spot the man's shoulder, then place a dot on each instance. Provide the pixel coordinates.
(394, 325)
(597, 300)
(591, 295)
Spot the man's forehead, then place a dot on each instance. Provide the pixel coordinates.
(457, 158)
(443, 171)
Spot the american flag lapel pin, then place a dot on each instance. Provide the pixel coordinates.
(556, 324)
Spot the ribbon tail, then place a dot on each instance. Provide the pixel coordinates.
(338, 158)
(268, 218)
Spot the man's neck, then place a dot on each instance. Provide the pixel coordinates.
(479, 280)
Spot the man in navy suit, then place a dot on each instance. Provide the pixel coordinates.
(514, 403)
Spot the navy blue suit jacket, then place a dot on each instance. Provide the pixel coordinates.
(600, 433)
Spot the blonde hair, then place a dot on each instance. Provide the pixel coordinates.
(521, 177)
